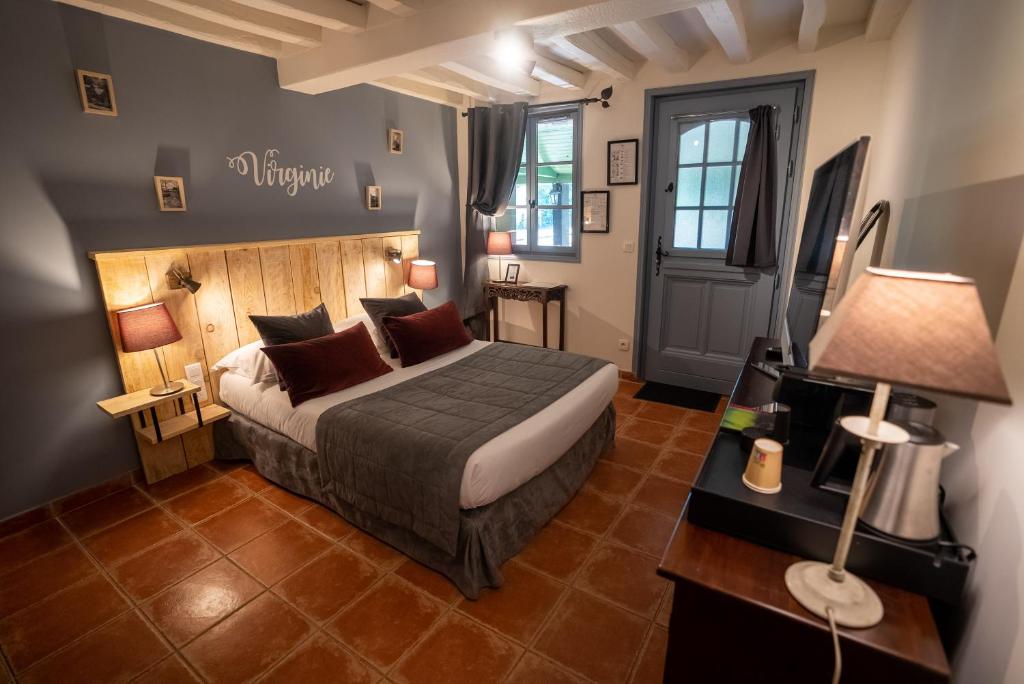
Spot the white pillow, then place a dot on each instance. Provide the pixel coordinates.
(248, 361)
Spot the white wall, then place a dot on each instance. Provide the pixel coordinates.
(952, 164)
(602, 288)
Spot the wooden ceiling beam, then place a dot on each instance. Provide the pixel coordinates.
(257, 22)
(486, 70)
(447, 32)
(439, 77)
(556, 73)
(884, 18)
(402, 8)
(811, 20)
(650, 39)
(422, 91)
(602, 56)
(336, 15)
(726, 22)
(156, 16)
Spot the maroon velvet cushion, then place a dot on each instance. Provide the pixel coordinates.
(327, 364)
(422, 336)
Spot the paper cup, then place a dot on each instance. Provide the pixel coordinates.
(764, 467)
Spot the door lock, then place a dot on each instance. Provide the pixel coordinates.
(659, 253)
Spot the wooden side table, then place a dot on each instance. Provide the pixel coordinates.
(733, 621)
(151, 429)
(529, 293)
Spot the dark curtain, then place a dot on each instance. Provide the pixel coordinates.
(752, 233)
(496, 136)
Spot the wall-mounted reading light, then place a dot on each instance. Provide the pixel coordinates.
(394, 254)
(177, 279)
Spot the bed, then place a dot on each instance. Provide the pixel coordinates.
(510, 486)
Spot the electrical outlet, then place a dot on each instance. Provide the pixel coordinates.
(194, 374)
(623, 345)
(627, 246)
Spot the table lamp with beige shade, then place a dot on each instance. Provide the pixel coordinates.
(499, 244)
(916, 330)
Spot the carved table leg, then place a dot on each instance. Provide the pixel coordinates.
(544, 317)
(561, 324)
(494, 316)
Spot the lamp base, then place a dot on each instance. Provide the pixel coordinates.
(854, 604)
(164, 390)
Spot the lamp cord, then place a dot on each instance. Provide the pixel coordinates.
(838, 670)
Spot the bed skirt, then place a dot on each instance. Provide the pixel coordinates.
(488, 535)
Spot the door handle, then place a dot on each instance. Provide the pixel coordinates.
(659, 253)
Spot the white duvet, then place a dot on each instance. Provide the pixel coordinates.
(495, 469)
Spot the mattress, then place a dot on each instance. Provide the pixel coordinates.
(495, 469)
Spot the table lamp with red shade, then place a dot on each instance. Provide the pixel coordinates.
(916, 330)
(499, 244)
(422, 275)
(148, 327)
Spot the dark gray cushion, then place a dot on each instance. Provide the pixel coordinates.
(377, 309)
(298, 328)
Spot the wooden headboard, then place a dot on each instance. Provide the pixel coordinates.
(272, 277)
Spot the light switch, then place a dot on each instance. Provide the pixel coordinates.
(194, 374)
(627, 246)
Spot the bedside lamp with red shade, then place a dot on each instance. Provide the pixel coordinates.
(499, 244)
(148, 327)
(422, 275)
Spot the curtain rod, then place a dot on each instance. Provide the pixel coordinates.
(606, 95)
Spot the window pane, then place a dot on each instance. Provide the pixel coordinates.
(721, 139)
(735, 183)
(716, 226)
(688, 194)
(691, 146)
(742, 145)
(717, 187)
(515, 219)
(554, 228)
(686, 229)
(522, 196)
(554, 140)
(554, 185)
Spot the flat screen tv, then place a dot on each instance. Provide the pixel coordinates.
(823, 261)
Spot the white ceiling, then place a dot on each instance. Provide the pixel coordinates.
(445, 50)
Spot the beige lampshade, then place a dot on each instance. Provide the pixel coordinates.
(499, 243)
(921, 330)
(422, 275)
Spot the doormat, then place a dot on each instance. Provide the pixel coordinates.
(698, 400)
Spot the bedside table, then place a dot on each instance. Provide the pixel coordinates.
(150, 429)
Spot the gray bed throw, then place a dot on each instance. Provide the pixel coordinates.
(398, 455)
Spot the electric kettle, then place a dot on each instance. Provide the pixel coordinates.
(903, 493)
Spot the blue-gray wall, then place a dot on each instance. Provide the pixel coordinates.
(72, 182)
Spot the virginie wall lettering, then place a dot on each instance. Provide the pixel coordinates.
(267, 172)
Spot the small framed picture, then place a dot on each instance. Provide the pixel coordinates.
(97, 92)
(622, 161)
(170, 193)
(373, 197)
(396, 141)
(512, 274)
(594, 213)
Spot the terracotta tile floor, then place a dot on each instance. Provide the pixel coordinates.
(218, 575)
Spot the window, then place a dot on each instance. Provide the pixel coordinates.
(543, 211)
(710, 154)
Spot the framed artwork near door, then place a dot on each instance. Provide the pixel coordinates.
(623, 158)
(594, 211)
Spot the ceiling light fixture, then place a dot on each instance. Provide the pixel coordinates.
(512, 48)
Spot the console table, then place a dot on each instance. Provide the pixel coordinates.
(529, 293)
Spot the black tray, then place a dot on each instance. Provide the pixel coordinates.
(805, 521)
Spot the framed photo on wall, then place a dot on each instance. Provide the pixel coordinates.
(396, 141)
(97, 92)
(373, 197)
(622, 162)
(594, 211)
(170, 193)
